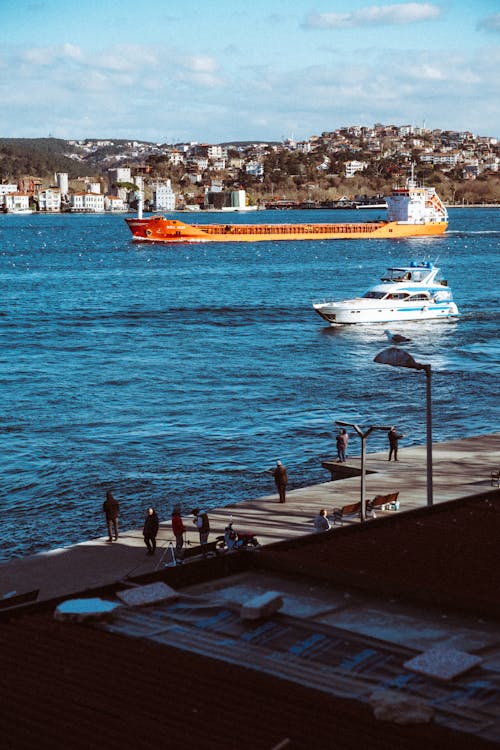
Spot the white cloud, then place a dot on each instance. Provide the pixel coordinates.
(374, 15)
(153, 93)
(47, 56)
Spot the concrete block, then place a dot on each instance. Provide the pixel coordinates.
(151, 593)
(261, 606)
(443, 663)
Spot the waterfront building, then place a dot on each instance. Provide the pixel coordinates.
(49, 200)
(114, 203)
(16, 201)
(87, 202)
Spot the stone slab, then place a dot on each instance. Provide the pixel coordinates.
(442, 663)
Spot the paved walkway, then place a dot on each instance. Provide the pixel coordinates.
(461, 468)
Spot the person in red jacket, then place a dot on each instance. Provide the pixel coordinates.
(178, 529)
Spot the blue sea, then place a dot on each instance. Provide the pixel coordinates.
(181, 374)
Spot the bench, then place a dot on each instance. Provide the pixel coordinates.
(338, 514)
(380, 501)
(16, 600)
(384, 502)
(495, 478)
(200, 549)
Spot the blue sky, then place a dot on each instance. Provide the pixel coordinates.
(223, 70)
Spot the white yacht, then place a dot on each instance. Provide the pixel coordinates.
(414, 292)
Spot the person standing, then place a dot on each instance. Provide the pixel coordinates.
(202, 524)
(321, 522)
(393, 438)
(342, 441)
(150, 530)
(178, 529)
(111, 508)
(281, 480)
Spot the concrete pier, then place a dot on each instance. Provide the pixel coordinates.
(461, 469)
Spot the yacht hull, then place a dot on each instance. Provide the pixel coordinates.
(337, 314)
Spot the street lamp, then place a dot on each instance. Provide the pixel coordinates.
(363, 436)
(400, 358)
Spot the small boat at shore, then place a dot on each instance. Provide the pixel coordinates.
(414, 292)
(412, 212)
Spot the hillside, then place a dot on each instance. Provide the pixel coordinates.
(286, 173)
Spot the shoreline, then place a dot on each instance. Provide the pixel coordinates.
(461, 469)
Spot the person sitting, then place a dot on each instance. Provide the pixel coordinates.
(321, 522)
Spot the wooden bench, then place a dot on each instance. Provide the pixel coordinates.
(200, 549)
(495, 478)
(338, 514)
(381, 501)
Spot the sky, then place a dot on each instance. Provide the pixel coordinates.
(226, 70)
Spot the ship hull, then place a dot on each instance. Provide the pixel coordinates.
(161, 229)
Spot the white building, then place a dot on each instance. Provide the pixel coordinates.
(15, 201)
(114, 203)
(163, 196)
(216, 152)
(88, 202)
(8, 188)
(49, 199)
(354, 166)
(175, 158)
(255, 168)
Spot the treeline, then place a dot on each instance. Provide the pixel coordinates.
(39, 157)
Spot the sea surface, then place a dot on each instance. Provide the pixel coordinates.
(181, 374)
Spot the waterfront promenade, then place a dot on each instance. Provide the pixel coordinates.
(461, 469)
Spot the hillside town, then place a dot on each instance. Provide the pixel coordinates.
(343, 168)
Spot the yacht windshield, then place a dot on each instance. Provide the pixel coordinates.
(374, 295)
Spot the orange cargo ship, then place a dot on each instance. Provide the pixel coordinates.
(412, 212)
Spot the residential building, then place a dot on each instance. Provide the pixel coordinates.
(49, 200)
(87, 202)
(8, 188)
(16, 201)
(255, 168)
(353, 166)
(114, 203)
(163, 196)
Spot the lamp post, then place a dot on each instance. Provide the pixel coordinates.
(400, 358)
(363, 436)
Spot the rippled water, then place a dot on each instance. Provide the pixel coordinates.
(181, 374)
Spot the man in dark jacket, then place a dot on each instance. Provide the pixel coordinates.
(150, 530)
(280, 480)
(111, 508)
(393, 438)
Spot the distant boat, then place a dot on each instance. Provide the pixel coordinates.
(412, 212)
(372, 203)
(19, 211)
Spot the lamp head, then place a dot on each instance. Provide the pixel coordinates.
(398, 358)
